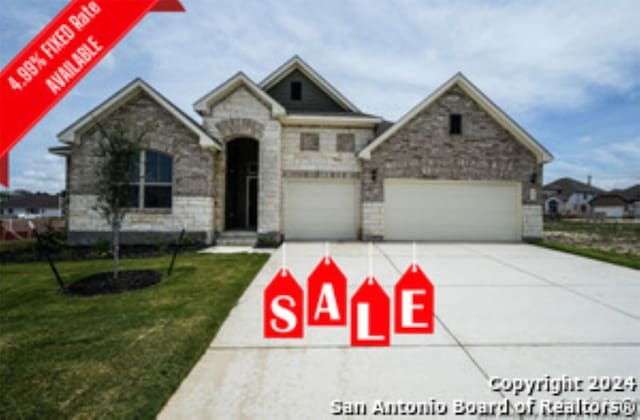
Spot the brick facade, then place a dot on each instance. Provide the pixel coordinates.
(424, 149)
(192, 185)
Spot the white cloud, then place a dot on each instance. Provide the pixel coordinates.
(612, 165)
(529, 56)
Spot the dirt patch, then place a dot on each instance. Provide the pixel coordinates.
(103, 283)
(620, 238)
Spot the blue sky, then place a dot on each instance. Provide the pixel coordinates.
(568, 72)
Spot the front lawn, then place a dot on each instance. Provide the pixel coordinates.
(110, 356)
(626, 260)
(611, 241)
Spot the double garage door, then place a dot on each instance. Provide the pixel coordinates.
(414, 209)
(452, 210)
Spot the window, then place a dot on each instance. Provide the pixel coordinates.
(309, 142)
(374, 175)
(455, 124)
(296, 91)
(346, 142)
(151, 174)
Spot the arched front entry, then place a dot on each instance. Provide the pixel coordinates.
(241, 202)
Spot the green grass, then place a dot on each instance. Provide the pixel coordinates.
(627, 260)
(110, 356)
(18, 245)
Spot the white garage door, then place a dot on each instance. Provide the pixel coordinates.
(321, 208)
(452, 210)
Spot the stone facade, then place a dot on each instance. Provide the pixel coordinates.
(192, 183)
(532, 224)
(194, 214)
(328, 158)
(243, 115)
(372, 221)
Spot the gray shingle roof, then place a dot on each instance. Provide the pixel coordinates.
(564, 187)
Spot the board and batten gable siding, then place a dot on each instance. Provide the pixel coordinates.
(192, 185)
(313, 98)
(424, 149)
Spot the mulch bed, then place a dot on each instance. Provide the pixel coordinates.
(103, 283)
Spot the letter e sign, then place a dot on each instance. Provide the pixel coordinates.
(283, 307)
(413, 297)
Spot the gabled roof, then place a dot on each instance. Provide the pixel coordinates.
(60, 150)
(68, 135)
(608, 200)
(297, 63)
(542, 154)
(203, 104)
(567, 186)
(630, 194)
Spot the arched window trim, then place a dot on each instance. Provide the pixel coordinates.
(151, 194)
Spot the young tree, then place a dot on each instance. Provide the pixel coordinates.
(118, 150)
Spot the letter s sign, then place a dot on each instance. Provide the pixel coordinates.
(283, 307)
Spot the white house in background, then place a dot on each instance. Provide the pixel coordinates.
(29, 206)
(610, 205)
(632, 197)
(619, 203)
(569, 197)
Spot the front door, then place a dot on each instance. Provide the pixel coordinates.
(241, 211)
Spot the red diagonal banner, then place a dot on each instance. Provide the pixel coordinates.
(64, 52)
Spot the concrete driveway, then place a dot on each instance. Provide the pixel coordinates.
(507, 310)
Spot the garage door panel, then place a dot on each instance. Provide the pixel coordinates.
(321, 208)
(455, 210)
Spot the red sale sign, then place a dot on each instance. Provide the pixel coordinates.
(64, 52)
(370, 313)
(327, 295)
(283, 307)
(413, 297)
(369, 308)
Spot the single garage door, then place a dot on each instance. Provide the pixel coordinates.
(321, 208)
(452, 210)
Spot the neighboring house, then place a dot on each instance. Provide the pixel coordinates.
(569, 197)
(292, 157)
(609, 205)
(26, 205)
(632, 197)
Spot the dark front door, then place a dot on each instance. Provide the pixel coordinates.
(242, 185)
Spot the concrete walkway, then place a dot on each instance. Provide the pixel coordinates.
(508, 310)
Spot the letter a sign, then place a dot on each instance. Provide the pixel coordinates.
(327, 295)
(283, 307)
(413, 297)
(370, 313)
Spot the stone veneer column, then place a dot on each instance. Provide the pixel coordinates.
(532, 222)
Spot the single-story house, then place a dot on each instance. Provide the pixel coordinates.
(291, 157)
(28, 206)
(632, 196)
(610, 205)
(569, 197)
